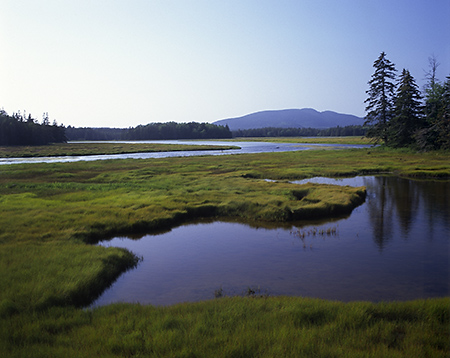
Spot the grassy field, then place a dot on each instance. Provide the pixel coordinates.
(96, 148)
(234, 327)
(50, 212)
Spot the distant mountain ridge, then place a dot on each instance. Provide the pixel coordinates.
(291, 118)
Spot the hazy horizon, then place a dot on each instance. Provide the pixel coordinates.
(121, 64)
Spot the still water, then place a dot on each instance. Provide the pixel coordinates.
(395, 246)
(244, 148)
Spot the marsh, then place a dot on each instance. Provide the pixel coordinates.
(395, 246)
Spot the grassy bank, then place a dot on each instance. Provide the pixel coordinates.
(48, 212)
(234, 327)
(96, 148)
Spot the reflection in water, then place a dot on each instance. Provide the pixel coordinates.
(393, 247)
(392, 197)
(245, 148)
(406, 197)
(380, 206)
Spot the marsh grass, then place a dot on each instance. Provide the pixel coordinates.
(314, 232)
(234, 327)
(64, 205)
(96, 148)
(49, 212)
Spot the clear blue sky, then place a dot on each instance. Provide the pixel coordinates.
(119, 63)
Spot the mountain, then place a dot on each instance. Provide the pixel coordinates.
(291, 118)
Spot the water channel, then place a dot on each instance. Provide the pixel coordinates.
(245, 148)
(395, 246)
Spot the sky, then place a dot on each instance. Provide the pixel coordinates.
(118, 63)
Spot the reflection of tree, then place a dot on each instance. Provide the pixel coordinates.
(391, 195)
(406, 200)
(436, 201)
(380, 209)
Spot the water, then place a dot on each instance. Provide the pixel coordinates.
(393, 247)
(245, 147)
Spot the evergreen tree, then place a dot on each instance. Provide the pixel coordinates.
(407, 118)
(14, 130)
(380, 103)
(444, 117)
(432, 135)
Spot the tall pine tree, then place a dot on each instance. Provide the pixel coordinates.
(408, 118)
(432, 136)
(380, 103)
(444, 117)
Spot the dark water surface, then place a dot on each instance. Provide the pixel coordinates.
(396, 246)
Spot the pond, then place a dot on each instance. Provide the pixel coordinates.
(395, 246)
(245, 148)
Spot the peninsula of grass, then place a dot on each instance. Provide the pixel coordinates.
(49, 213)
(98, 148)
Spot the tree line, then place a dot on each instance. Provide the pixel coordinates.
(400, 115)
(301, 132)
(173, 130)
(19, 129)
(194, 130)
(152, 131)
(87, 133)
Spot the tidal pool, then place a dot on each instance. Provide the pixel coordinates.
(395, 246)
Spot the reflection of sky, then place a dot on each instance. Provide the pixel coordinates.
(246, 148)
(355, 181)
(370, 257)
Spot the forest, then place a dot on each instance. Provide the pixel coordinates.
(173, 130)
(301, 132)
(194, 130)
(400, 115)
(152, 131)
(19, 129)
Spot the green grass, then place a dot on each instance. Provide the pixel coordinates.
(49, 212)
(234, 327)
(96, 148)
